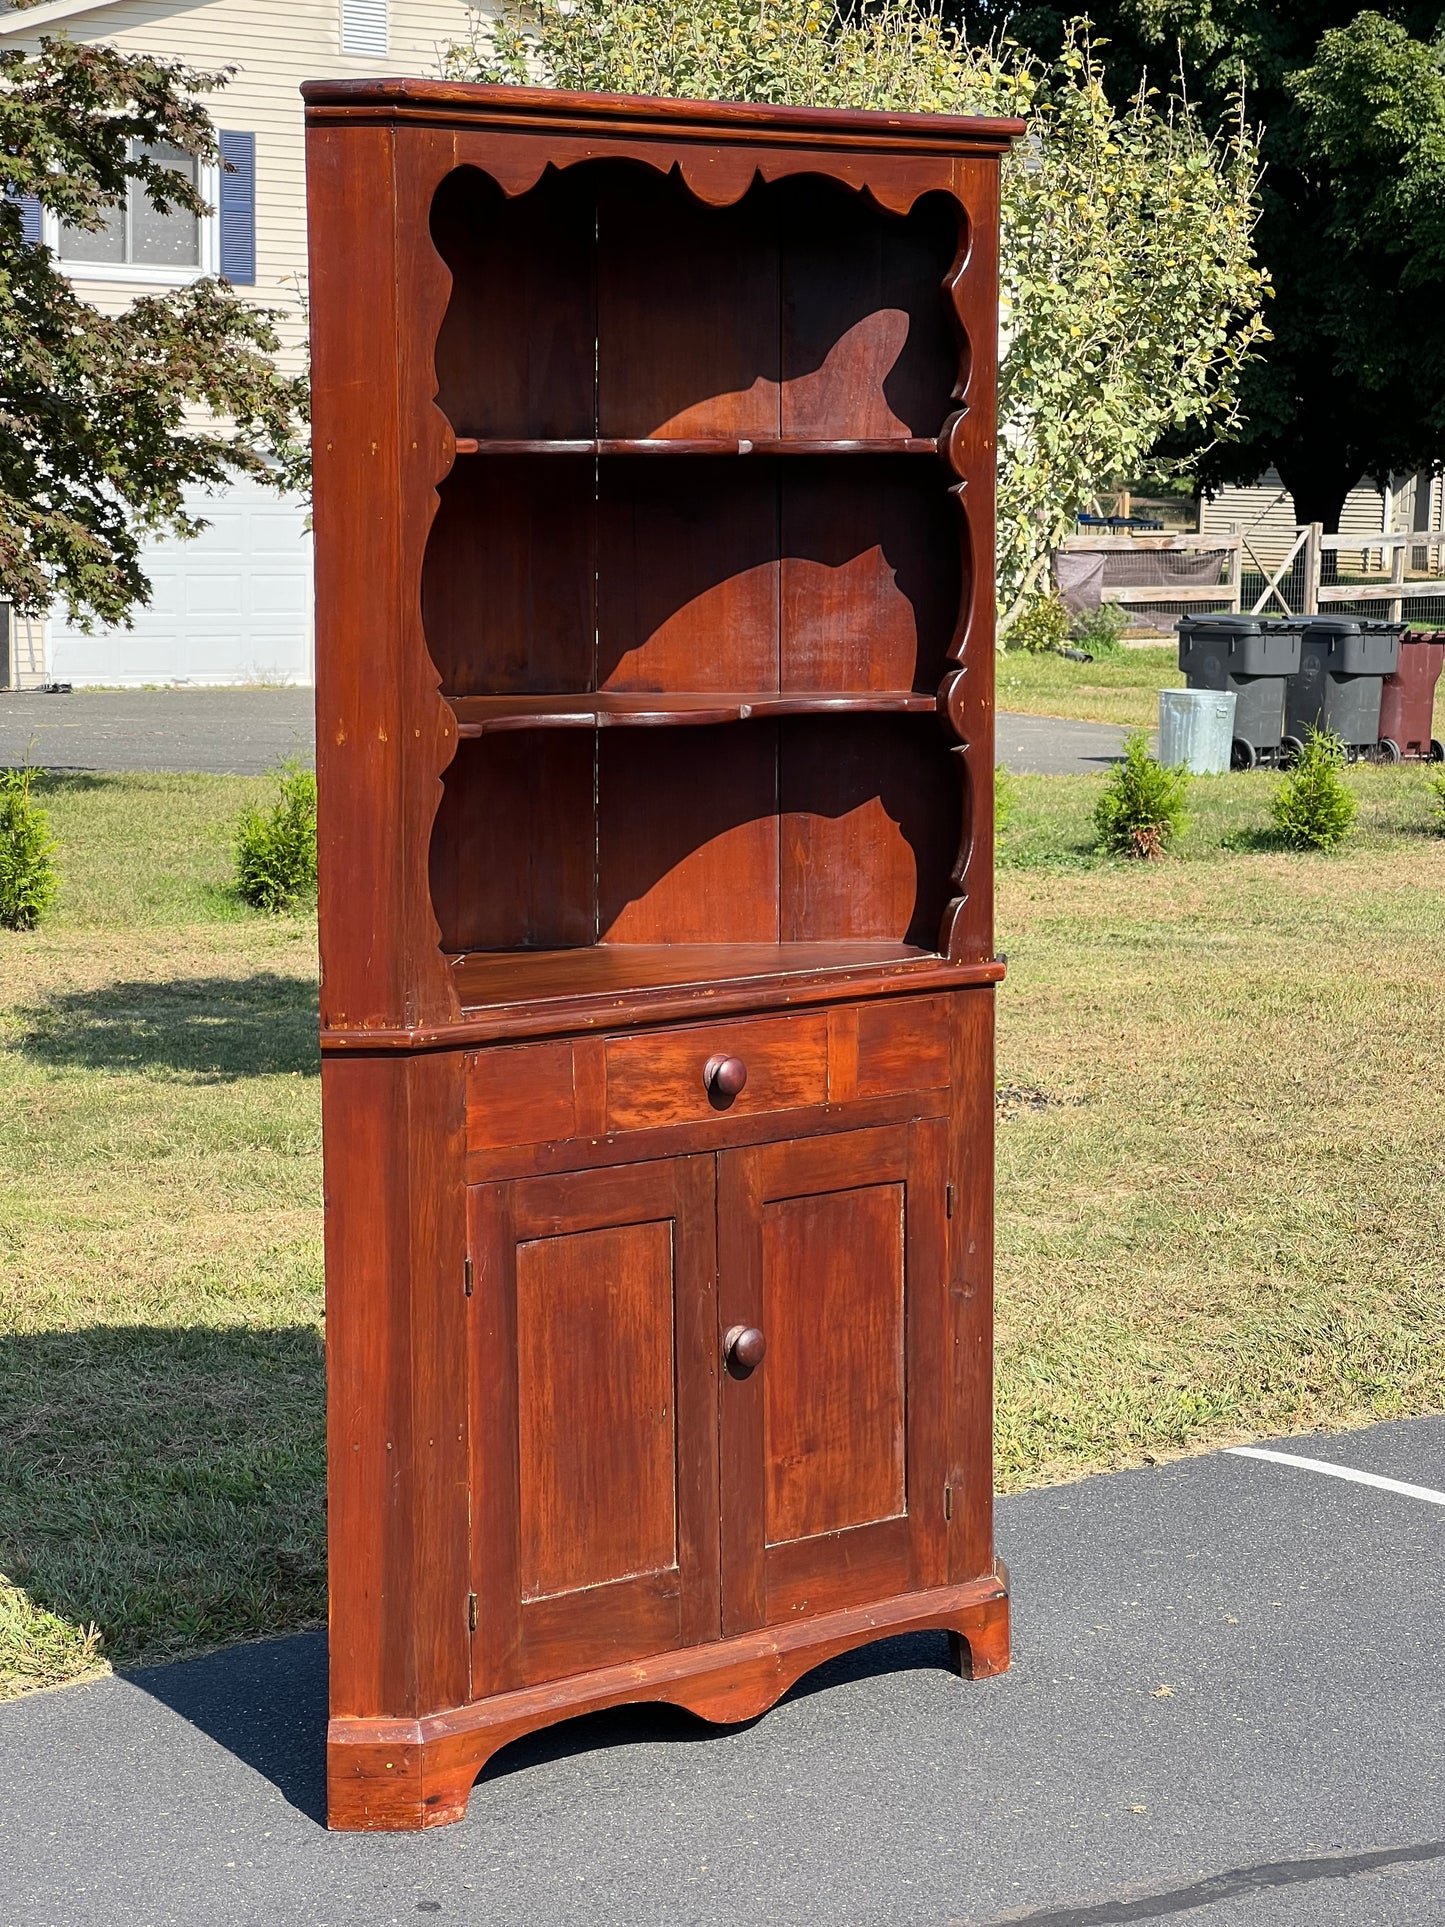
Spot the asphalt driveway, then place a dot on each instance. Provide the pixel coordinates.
(243, 732)
(1227, 1705)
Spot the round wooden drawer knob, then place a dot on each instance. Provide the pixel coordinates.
(744, 1348)
(724, 1076)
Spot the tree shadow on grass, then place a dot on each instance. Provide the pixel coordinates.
(168, 1486)
(1254, 842)
(213, 1028)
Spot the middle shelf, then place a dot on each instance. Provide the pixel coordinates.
(627, 708)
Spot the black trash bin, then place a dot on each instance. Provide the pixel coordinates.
(1255, 658)
(1343, 664)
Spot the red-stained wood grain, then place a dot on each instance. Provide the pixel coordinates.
(596, 1413)
(594, 1438)
(397, 1399)
(387, 1774)
(834, 1248)
(655, 1079)
(833, 1391)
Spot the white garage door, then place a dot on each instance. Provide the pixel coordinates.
(233, 606)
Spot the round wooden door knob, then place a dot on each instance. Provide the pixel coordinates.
(725, 1076)
(744, 1348)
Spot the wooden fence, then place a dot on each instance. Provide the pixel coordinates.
(1305, 582)
(1144, 593)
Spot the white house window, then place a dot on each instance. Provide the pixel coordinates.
(363, 26)
(138, 234)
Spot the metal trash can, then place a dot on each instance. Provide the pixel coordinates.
(1407, 699)
(1343, 663)
(1196, 728)
(1254, 658)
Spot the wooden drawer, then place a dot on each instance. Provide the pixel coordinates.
(658, 1079)
(591, 1088)
(902, 1046)
(525, 1094)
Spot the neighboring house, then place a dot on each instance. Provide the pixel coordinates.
(1263, 513)
(233, 606)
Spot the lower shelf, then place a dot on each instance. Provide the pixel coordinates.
(402, 1775)
(510, 976)
(539, 993)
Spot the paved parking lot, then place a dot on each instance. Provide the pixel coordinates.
(241, 732)
(1227, 1705)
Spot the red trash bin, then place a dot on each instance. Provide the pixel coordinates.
(1407, 700)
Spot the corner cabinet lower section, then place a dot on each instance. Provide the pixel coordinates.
(594, 1387)
(669, 1413)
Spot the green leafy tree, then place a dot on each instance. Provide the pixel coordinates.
(105, 419)
(1353, 203)
(1141, 808)
(1131, 302)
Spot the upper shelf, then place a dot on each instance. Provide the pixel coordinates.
(708, 445)
(618, 708)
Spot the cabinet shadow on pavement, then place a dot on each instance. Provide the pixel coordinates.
(266, 1704)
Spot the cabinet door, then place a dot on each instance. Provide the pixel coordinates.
(834, 1448)
(593, 1381)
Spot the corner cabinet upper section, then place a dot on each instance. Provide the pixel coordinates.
(654, 448)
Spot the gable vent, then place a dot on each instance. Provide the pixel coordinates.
(363, 26)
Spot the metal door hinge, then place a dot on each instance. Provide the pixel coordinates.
(467, 1275)
(948, 1502)
(471, 1612)
(948, 1200)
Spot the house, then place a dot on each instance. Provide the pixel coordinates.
(1263, 513)
(234, 605)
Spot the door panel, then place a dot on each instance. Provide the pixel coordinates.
(833, 1388)
(594, 1399)
(833, 1449)
(595, 1406)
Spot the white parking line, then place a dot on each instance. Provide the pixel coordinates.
(1425, 1492)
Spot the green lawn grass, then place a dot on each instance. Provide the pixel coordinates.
(1122, 689)
(1219, 1197)
(1050, 823)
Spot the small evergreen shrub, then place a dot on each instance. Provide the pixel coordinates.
(1141, 810)
(1043, 625)
(1098, 630)
(276, 848)
(1312, 808)
(28, 877)
(1004, 798)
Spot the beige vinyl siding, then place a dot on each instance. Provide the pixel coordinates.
(274, 45)
(1264, 515)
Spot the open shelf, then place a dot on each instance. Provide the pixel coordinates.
(696, 445)
(616, 708)
(795, 611)
(817, 574)
(508, 976)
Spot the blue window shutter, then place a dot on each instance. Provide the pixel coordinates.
(30, 216)
(238, 207)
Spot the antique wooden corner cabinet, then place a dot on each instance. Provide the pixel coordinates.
(654, 522)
